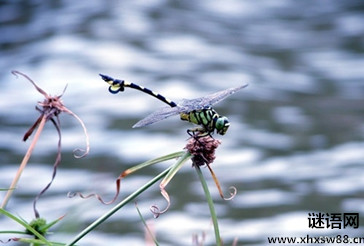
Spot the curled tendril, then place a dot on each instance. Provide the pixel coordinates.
(86, 136)
(73, 194)
(232, 191)
(118, 180)
(155, 209)
(40, 90)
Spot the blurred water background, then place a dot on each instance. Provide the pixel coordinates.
(296, 141)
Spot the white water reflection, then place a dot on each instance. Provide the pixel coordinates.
(296, 137)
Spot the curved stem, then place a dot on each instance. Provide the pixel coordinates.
(24, 162)
(211, 205)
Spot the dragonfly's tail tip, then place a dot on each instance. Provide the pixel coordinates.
(105, 77)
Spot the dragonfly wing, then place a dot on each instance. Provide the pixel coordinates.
(158, 115)
(187, 105)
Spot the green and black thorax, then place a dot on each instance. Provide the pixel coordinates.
(209, 119)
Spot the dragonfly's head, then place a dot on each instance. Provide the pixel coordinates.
(222, 125)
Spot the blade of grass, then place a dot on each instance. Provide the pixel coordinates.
(211, 205)
(152, 162)
(118, 207)
(13, 232)
(150, 234)
(175, 168)
(24, 162)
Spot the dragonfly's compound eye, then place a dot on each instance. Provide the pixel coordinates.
(222, 125)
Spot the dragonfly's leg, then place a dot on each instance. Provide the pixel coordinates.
(191, 132)
(194, 133)
(209, 134)
(197, 132)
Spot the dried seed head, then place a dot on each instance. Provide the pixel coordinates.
(51, 107)
(202, 149)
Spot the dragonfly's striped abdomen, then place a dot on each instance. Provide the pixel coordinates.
(117, 85)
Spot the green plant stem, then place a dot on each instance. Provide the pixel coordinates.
(24, 162)
(211, 205)
(117, 207)
(150, 235)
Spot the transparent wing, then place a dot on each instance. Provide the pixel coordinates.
(187, 105)
(158, 115)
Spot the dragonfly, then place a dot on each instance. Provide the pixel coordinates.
(198, 111)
